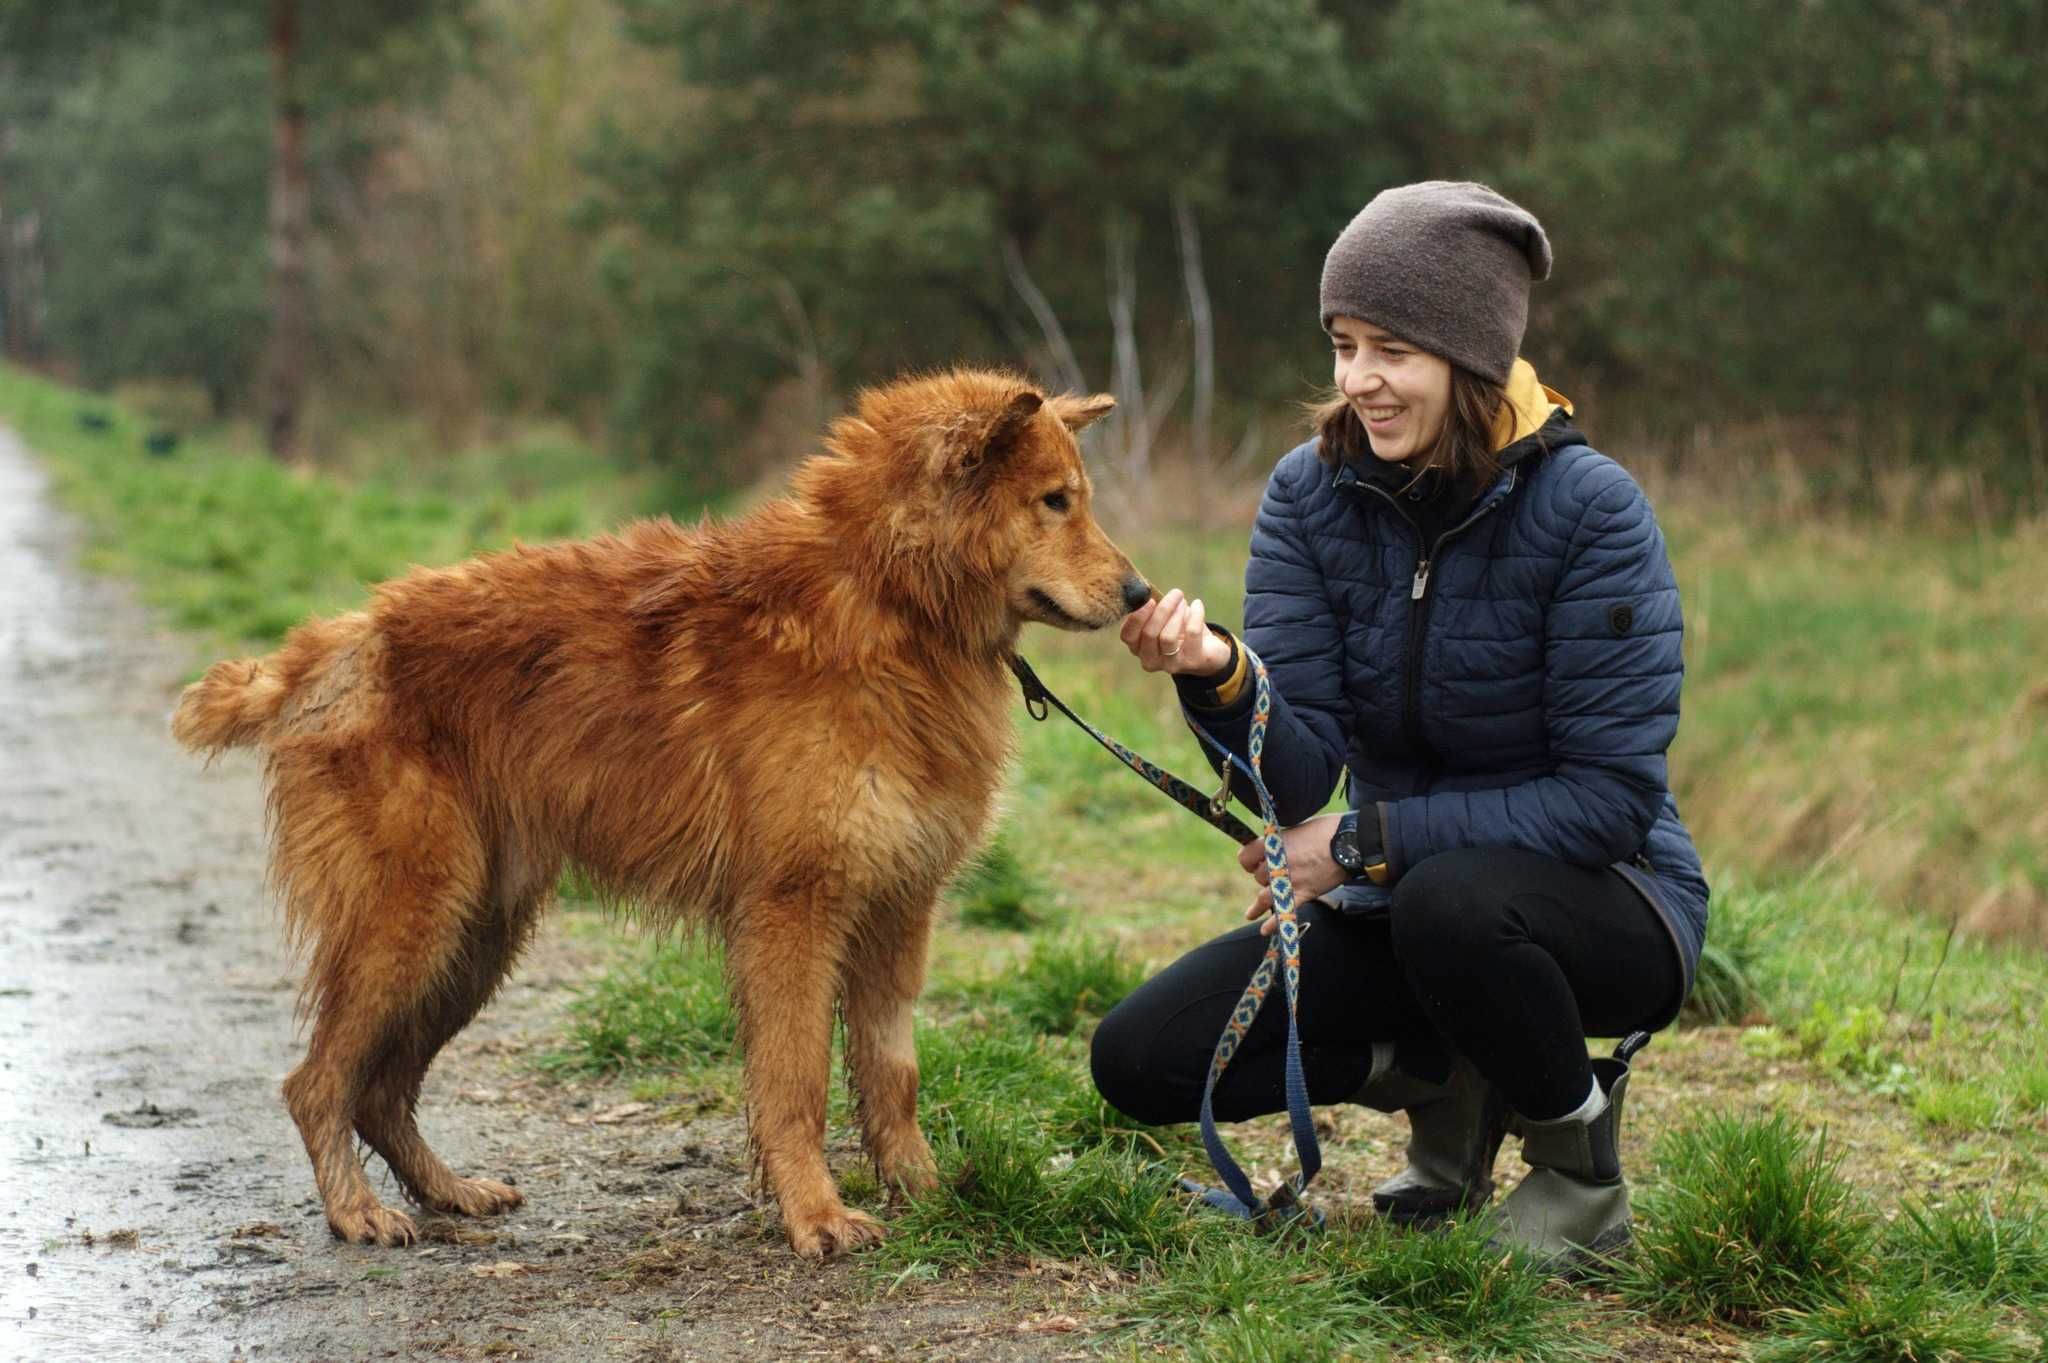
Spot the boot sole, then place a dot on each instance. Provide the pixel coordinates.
(1579, 1264)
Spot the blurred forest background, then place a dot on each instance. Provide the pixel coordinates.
(688, 228)
(414, 277)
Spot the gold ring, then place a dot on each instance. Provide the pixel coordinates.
(1171, 652)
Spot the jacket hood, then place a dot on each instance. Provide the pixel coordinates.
(1529, 407)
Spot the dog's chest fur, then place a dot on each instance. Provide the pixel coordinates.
(902, 784)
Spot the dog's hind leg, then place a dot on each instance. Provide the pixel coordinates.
(883, 975)
(494, 934)
(783, 955)
(380, 866)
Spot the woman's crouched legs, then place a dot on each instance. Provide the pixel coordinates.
(1511, 957)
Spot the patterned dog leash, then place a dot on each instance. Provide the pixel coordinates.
(1283, 955)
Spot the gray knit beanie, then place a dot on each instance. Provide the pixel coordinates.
(1445, 265)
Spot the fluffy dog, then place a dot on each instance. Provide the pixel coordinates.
(788, 728)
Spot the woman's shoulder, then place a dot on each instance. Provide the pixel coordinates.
(1573, 481)
(1299, 481)
(1299, 470)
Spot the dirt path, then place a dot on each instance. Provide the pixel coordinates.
(154, 1200)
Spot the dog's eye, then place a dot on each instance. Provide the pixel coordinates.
(1056, 500)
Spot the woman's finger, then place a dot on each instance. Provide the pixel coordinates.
(1193, 629)
(1134, 625)
(1166, 616)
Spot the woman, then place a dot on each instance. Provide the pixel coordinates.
(1469, 614)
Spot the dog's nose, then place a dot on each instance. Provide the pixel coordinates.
(1137, 592)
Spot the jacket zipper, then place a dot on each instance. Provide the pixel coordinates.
(1419, 601)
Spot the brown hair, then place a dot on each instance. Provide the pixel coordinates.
(1463, 449)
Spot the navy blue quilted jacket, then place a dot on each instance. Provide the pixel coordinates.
(1515, 687)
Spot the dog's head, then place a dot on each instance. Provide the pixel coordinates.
(976, 481)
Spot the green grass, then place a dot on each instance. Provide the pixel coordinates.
(1971, 1249)
(668, 1011)
(1365, 1289)
(1754, 1224)
(1748, 1218)
(996, 890)
(1887, 1324)
(1063, 985)
(1008, 1191)
(1955, 1031)
(240, 549)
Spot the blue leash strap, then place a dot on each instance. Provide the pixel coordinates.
(1283, 956)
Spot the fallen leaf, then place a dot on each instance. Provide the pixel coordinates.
(1051, 1325)
(504, 1268)
(624, 1112)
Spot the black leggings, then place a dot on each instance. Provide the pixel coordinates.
(1510, 957)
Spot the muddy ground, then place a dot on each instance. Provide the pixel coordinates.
(155, 1202)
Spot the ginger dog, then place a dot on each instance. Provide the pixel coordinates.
(788, 728)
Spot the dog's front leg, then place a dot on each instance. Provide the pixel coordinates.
(785, 974)
(884, 974)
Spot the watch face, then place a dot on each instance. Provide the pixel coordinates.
(1344, 849)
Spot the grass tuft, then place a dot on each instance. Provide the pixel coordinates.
(670, 1011)
(1893, 1324)
(971, 1065)
(1729, 985)
(1970, 1250)
(1067, 983)
(1751, 1217)
(1006, 1191)
(1360, 1291)
(996, 890)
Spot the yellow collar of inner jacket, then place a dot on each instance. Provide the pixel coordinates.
(1529, 405)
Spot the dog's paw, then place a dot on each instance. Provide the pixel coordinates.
(479, 1197)
(373, 1224)
(913, 1176)
(831, 1233)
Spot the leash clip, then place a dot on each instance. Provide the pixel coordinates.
(1219, 803)
(1035, 694)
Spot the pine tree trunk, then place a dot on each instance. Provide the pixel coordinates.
(290, 216)
(14, 302)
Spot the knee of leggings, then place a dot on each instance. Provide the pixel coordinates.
(1118, 1061)
(1445, 907)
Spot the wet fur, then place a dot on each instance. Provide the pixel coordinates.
(786, 729)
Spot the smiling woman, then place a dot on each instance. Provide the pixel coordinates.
(1467, 614)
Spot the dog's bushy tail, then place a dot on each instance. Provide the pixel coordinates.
(230, 707)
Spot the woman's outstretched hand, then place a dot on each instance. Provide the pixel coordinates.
(1309, 868)
(1172, 635)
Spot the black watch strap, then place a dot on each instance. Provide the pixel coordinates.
(1344, 848)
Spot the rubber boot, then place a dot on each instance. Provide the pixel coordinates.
(1572, 1206)
(1454, 1133)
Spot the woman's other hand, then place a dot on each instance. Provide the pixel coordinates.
(1309, 868)
(1172, 635)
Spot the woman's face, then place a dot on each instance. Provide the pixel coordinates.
(1401, 394)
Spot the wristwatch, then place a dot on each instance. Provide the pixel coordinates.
(1350, 857)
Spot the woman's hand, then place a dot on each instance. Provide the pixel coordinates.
(1172, 635)
(1309, 868)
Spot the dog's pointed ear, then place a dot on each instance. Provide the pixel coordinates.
(1077, 413)
(986, 436)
